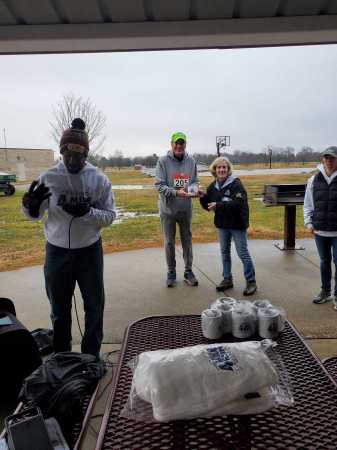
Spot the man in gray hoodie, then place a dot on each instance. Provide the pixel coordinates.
(176, 182)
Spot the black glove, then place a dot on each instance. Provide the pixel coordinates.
(77, 209)
(34, 197)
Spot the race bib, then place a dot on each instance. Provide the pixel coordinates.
(180, 180)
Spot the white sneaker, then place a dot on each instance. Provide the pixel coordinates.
(334, 301)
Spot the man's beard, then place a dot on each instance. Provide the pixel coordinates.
(179, 158)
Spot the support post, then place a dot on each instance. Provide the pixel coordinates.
(289, 241)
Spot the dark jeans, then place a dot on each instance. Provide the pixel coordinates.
(327, 249)
(241, 245)
(63, 268)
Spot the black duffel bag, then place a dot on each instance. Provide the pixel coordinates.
(59, 386)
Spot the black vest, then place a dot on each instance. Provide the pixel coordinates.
(325, 204)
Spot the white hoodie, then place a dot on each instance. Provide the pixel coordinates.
(308, 208)
(60, 228)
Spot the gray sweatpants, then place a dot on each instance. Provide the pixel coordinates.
(168, 224)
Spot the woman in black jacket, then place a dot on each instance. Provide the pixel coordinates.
(227, 197)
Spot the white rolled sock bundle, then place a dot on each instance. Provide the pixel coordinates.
(262, 303)
(225, 305)
(282, 318)
(212, 323)
(221, 302)
(268, 322)
(243, 323)
(226, 311)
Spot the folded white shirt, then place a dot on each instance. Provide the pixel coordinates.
(203, 380)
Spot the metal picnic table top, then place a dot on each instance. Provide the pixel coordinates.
(309, 424)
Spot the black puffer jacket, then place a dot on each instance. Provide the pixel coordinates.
(232, 210)
(325, 204)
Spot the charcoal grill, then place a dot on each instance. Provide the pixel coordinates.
(289, 196)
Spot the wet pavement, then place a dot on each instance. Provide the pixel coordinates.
(256, 172)
(251, 172)
(135, 287)
(123, 215)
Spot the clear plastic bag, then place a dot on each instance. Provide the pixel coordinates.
(207, 380)
(244, 319)
(223, 302)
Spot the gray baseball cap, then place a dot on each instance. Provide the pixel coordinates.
(330, 151)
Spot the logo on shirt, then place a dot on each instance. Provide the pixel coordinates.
(73, 198)
(222, 358)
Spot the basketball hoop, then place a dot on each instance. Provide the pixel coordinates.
(221, 142)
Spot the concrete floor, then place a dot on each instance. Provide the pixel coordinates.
(135, 288)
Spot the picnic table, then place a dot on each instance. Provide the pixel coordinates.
(309, 424)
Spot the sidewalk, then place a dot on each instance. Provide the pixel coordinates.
(135, 287)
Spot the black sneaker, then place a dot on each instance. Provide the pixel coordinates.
(322, 297)
(226, 283)
(171, 278)
(190, 278)
(250, 288)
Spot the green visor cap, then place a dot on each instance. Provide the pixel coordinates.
(177, 136)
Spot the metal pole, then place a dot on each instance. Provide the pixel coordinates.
(289, 227)
(289, 238)
(6, 156)
(270, 151)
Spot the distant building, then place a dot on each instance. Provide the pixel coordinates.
(26, 163)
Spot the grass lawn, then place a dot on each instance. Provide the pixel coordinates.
(22, 241)
(128, 176)
(274, 165)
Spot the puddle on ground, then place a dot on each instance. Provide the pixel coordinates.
(125, 215)
(130, 187)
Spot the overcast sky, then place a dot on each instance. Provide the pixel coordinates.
(268, 96)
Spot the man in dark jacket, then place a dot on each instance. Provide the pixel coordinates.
(320, 216)
(227, 197)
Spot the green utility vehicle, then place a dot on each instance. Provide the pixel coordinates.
(5, 183)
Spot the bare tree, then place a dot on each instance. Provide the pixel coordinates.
(70, 107)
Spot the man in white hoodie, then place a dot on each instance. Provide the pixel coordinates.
(78, 201)
(320, 216)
